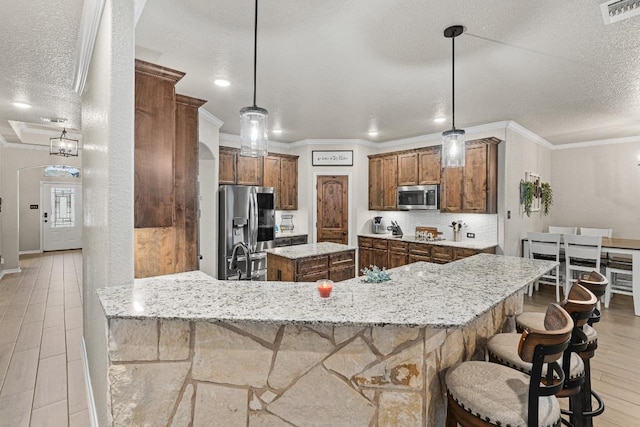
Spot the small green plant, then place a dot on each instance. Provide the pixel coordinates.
(527, 193)
(547, 198)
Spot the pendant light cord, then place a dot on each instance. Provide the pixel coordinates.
(453, 83)
(255, 53)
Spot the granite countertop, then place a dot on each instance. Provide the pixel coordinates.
(467, 244)
(419, 294)
(309, 250)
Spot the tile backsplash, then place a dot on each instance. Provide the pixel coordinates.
(484, 226)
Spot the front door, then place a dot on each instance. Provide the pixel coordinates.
(333, 209)
(61, 216)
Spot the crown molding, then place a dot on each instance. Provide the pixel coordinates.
(307, 142)
(515, 127)
(229, 137)
(89, 23)
(598, 142)
(208, 117)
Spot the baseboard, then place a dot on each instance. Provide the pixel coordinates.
(10, 271)
(35, 251)
(91, 403)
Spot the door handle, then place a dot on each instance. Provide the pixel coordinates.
(344, 233)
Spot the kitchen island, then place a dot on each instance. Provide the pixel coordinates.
(187, 348)
(311, 262)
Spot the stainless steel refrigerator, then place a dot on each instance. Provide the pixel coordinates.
(247, 219)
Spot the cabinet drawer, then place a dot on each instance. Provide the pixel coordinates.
(281, 242)
(308, 265)
(341, 259)
(299, 240)
(396, 246)
(342, 273)
(415, 258)
(420, 249)
(365, 242)
(379, 244)
(312, 276)
(441, 254)
(460, 253)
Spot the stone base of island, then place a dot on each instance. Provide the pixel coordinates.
(189, 350)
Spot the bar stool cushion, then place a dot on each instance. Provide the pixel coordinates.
(591, 333)
(498, 394)
(530, 320)
(504, 349)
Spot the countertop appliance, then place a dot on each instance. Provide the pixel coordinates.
(377, 227)
(395, 229)
(246, 228)
(419, 197)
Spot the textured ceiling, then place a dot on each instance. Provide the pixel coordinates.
(336, 68)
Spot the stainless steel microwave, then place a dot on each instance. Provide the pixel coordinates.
(419, 197)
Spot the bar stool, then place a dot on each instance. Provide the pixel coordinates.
(502, 348)
(489, 394)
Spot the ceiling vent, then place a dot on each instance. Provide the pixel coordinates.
(619, 10)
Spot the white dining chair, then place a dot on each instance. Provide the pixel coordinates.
(546, 246)
(618, 265)
(582, 253)
(604, 232)
(563, 230)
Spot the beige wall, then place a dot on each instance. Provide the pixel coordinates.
(15, 160)
(209, 135)
(598, 187)
(108, 131)
(29, 194)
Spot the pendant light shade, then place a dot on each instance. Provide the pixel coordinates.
(453, 143)
(254, 122)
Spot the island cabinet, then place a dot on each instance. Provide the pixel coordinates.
(336, 266)
(474, 187)
(281, 173)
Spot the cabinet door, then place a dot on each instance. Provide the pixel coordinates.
(408, 169)
(397, 259)
(474, 179)
(441, 254)
(376, 184)
(342, 273)
(249, 170)
(380, 258)
(271, 176)
(451, 190)
(365, 258)
(390, 182)
(288, 183)
(227, 174)
(429, 166)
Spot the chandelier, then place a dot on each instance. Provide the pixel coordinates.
(63, 146)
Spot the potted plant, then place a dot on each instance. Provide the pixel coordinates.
(527, 193)
(547, 198)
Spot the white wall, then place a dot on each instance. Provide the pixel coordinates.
(107, 168)
(209, 135)
(598, 187)
(30, 220)
(14, 160)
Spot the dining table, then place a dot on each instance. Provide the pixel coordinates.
(614, 245)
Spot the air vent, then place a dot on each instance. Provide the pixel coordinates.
(54, 119)
(619, 10)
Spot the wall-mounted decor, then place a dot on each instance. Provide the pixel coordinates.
(332, 158)
(535, 194)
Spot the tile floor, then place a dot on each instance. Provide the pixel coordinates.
(41, 377)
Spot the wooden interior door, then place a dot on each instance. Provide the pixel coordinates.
(333, 209)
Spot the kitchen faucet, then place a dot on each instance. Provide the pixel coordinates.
(233, 263)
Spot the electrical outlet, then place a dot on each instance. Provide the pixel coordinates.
(471, 235)
(1, 259)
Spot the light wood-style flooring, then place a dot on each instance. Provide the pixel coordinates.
(41, 377)
(615, 369)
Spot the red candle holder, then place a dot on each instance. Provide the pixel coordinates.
(324, 287)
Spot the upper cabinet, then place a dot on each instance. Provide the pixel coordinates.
(408, 169)
(474, 187)
(279, 171)
(376, 187)
(383, 182)
(429, 165)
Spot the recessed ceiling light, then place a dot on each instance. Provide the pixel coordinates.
(373, 133)
(440, 119)
(22, 105)
(221, 82)
(276, 131)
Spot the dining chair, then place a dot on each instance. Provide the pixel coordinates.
(618, 265)
(563, 230)
(546, 246)
(582, 254)
(604, 232)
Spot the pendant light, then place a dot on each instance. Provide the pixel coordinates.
(63, 146)
(453, 143)
(254, 120)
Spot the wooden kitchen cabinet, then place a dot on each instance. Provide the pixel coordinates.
(408, 169)
(398, 254)
(441, 254)
(429, 161)
(383, 182)
(365, 253)
(288, 183)
(376, 184)
(419, 252)
(337, 266)
(248, 170)
(474, 187)
(390, 182)
(227, 166)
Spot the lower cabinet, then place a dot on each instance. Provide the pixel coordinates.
(396, 253)
(280, 242)
(336, 266)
